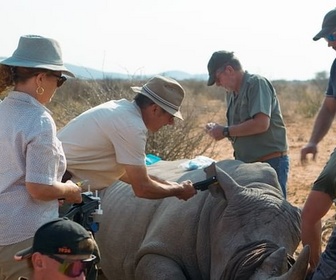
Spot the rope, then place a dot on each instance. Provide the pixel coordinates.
(249, 257)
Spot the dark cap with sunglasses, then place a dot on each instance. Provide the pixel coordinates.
(328, 25)
(217, 60)
(60, 237)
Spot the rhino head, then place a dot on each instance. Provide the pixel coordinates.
(263, 232)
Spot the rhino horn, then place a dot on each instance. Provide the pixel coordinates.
(299, 269)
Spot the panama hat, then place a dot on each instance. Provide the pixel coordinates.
(35, 51)
(165, 92)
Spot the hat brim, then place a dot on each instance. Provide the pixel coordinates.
(324, 32)
(171, 111)
(12, 61)
(24, 254)
(211, 80)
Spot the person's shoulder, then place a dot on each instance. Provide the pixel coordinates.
(109, 107)
(254, 79)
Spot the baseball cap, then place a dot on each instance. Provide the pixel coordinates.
(217, 60)
(328, 25)
(165, 92)
(61, 236)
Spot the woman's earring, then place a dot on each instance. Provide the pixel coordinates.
(40, 90)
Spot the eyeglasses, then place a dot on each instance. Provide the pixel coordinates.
(73, 268)
(60, 79)
(331, 37)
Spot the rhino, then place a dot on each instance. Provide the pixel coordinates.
(240, 228)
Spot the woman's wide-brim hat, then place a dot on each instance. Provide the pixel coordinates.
(35, 51)
(165, 92)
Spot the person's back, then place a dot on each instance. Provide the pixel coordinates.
(94, 141)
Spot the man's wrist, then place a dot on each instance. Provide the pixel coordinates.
(226, 131)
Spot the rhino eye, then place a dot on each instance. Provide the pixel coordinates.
(275, 272)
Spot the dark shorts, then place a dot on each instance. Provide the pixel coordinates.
(326, 181)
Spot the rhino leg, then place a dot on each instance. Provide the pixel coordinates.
(154, 267)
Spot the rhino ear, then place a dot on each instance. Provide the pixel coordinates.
(226, 187)
(210, 170)
(214, 189)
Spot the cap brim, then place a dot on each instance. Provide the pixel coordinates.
(23, 254)
(211, 80)
(12, 61)
(176, 114)
(324, 32)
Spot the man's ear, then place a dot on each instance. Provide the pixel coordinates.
(229, 69)
(38, 261)
(156, 109)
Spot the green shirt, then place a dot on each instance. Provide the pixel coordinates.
(256, 95)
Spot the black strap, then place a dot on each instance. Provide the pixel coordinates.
(66, 176)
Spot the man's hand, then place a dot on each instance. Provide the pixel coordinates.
(73, 192)
(214, 130)
(188, 190)
(310, 148)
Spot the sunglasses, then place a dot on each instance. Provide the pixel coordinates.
(331, 37)
(73, 268)
(60, 79)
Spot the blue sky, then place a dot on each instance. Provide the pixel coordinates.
(272, 38)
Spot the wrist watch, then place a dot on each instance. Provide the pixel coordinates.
(226, 131)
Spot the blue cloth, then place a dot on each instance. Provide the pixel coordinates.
(151, 159)
(197, 163)
(281, 166)
(326, 269)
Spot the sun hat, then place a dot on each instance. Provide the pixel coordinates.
(217, 60)
(328, 25)
(165, 92)
(60, 236)
(35, 51)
